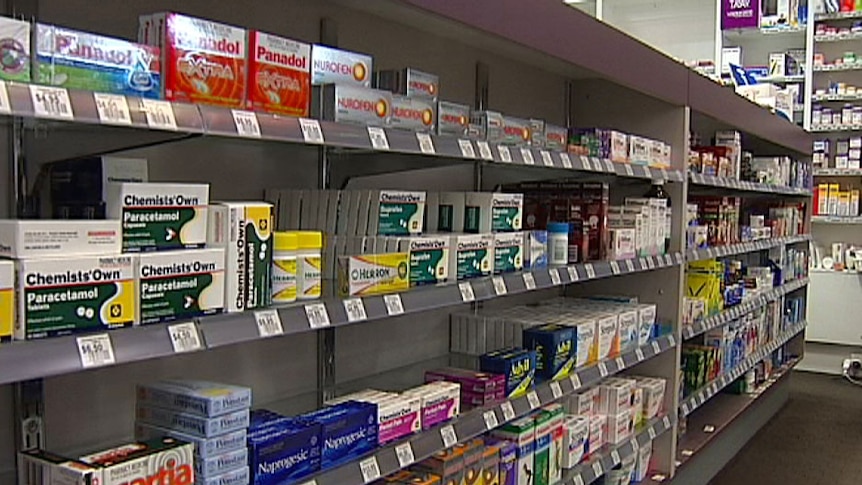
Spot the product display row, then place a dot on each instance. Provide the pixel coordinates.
(723, 221)
(843, 257)
(840, 154)
(831, 200)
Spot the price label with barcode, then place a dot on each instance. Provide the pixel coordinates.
(615, 457)
(566, 160)
(666, 421)
(378, 139)
(591, 272)
(573, 273)
(621, 363)
(575, 379)
(450, 439)
(508, 411)
(355, 309)
(113, 109)
(246, 123)
(51, 102)
(184, 337)
(634, 444)
(554, 273)
(533, 400)
(647, 172)
(268, 323)
(499, 285)
(426, 144)
(556, 390)
(597, 165)
(585, 162)
(603, 369)
(639, 354)
(579, 480)
(317, 315)
(527, 156)
(597, 468)
(466, 290)
(485, 150)
(615, 267)
(96, 350)
(652, 433)
(650, 263)
(160, 114)
(5, 105)
(490, 418)
(311, 131)
(547, 160)
(405, 455)
(505, 154)
(630, 266)
(310, 482)
(685, 409)
(656, 348)
(370, 469)
(629, 171)
(466, 149)
(643, 263)
(529, 281)
(609, 166)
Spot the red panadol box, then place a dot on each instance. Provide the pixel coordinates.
(279, 75)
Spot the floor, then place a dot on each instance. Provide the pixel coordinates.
(815, 439)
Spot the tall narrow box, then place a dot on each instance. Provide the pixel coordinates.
(7, 299)
(522, 432)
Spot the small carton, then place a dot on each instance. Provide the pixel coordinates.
(620, 427)
(201, 398)
(597, 437)
(175, 285)
(608, 337)
(542, 452)
(295, 448)
(555, 461)
(279, 75)
(447, 464)
(204, 447)
(576, 430)
(441, 402)
(471, 256)
(412, 114)
(409, 82)
(508, 252)
(351, 104)
(518, 365)
(374, 274)
(536, 249)
(491, 464)
(452, 119)
(429, 259)
(615, 396)
(555, 350)
(348, 431)
(515, 131)
(337, 66)
(397, 213)
(587, 337)
(25, 239)
(493, 212)
(522, 432)
(202, 427)
(144, 462)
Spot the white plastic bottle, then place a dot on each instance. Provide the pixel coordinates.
(558, 243)
(308, 265)
(284, 280)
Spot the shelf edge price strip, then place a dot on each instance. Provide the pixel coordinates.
(527, 155)
(96, 350)
(113, 109)
(405, 455)
(355, 309)
(160, 114)
(246, 123)
(426, 144)
(184, 337)
(51, 102)
(377, 137)
(268, 323)
(370, 469)
(317, 315)
(311, 131)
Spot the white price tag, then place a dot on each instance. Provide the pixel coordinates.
(527, 155)
(499, 285)
(685, 409)
(640, 355)
(585, 162)
(547, 160)
(268, 323)
(621, 363)
(566, 160)
(643, 263)
(51, 102)
(634, 444)
(505, 154)
(603, 369)
(529, 281)
(160, 114)
(630, 266)
(184, 337)
(369, 468)
(579, 480)
(485, 150)
(615, 457)
(317, 315)
(311, 131)
(355, 309)
(628, 168)
(466, 290)
(378, 139)
(490, 420)
(597, 165)
(246, 123)
(113, 109)
(556, 390)
(554, 273)
(5, 105)
(671, 340)
(666, 421)
(533, 399)
(647, 172)
(591, 272)
(426, 144)
(96, 350)
(450, 439)
(656, 348)
(508, 411)
(597, 468)
(393, 303)
(573, 273)
(466, 149)
(652, 433)
(650, 263)
(615, 267)
(310, 482)
(405, 455)
(575, 379)
(609, 166)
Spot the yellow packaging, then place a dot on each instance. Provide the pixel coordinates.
(706, 286)
(833, 199)
(7, 299)
(844, 203)
(374, 274)
(854, 202)
(823, 198)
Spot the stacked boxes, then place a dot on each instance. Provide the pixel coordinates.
(477, 388)
(282, 449)
(79, 187)
(522, 433)
(398, 415)
(347, 431)
(16, 36)
(619, 147)
(441, 401)
(414, 100)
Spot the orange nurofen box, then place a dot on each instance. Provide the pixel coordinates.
(203, 61)
(279, 75)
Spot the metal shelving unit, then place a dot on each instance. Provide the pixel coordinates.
(732, 183)
(743, 248)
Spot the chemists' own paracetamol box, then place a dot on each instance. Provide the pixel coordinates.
(75, 294)
(7, 299)
(180, 284)
(202, 398)
(22, 239)
(160, 216)
(279, 76)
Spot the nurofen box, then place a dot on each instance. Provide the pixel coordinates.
(556, 137)
(15, 38)
(7, 300)
(351, 104)
(522, 432)
(75, 294)
(413, 114)
(165, 460)
(409, 82)
(279, 75)
(82, 60)
(348, 431)
(190, 423)
(452, 119)
(493, 212)
(429, 259)
(336, 66)
(176, 285)
(471, 256)
(397, 213)
(201, 398)
(157, 217)
(508, 252)
(25, 239)
(516, 131)
(373, 274)
(244, 230)
(489, 125)
(576, 430)
(203, 61)
(282, 454)
(204, 447)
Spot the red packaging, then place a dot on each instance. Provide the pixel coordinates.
(279, 75)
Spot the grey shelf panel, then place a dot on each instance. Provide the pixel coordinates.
(735, 184)
(843, 220)
(837, 68)
(837, 172)
(817, 98)
(837, 16)
(731, 314)
(837, 38)
(472, 424)
(742, 248)
(699, 397)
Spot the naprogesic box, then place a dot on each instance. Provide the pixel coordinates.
(24, 239)
(336, 66)
(203, 61)
(7, 300)
(452, 118)
(75, 294)
(279, 75)
(160, 216)
(409, 82)
(159, 461)
(413, 114)
(175, 285)
(244, 230)
(15, 36)
(351, 104)
(281, 454)
(82, 60)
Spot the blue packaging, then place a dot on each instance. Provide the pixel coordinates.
(201, 398)
(518, 365)
(192, 424)
(556, 350)
(536, 249)
(219, 464)
(348, 431)
(281, 454)
(204, 447)
(239, 476)
(264, 418)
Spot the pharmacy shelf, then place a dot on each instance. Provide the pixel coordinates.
(835, 97)
(838, 68)
(736, 184)
(837, 38)
(837, 172)
(842, 220)
(704, 394)
(391, 458)
(610, 455)
(791, 79)
(722, 318)
(837, 16)
(742, 248)
(62, 355)
(835, 128)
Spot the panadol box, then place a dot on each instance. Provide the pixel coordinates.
(175, 285)
(21, 239)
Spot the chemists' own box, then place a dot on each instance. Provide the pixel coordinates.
(176, 285)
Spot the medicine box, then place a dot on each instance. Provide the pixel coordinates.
(471, 256)
(608, 336)
(542, 452)
(450, 210)
(472, 452)
(486, 125)
(653, 396)
(522, 432)
(555, 470)
(144, 462)
(397, 416)
(555, 350)
(615, 396)
(17, 34)
(7, 300)
(237, 476)
(203, 447)
(374, 274)
(515, 131)
(279, 75)
(493, 212)
(508, 252)
(518, 365)
(470, 381)
(346, 103)
(22, 239)
(490, 464)
(203, 427)
(222, 463)
(536, 249)
(452, 118)
(576, 430)
(629, 329)
(74, 294)
(644, 454)
(283, 454)
(619, 427)
(409, 82)
(176, 285)
(441, 401)
(201, 398)
(348, 431)
(447, 464)
(429, 259)
(43, 467)
(598, 424)
(412, 114)
(397, 213)
(336, 66)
